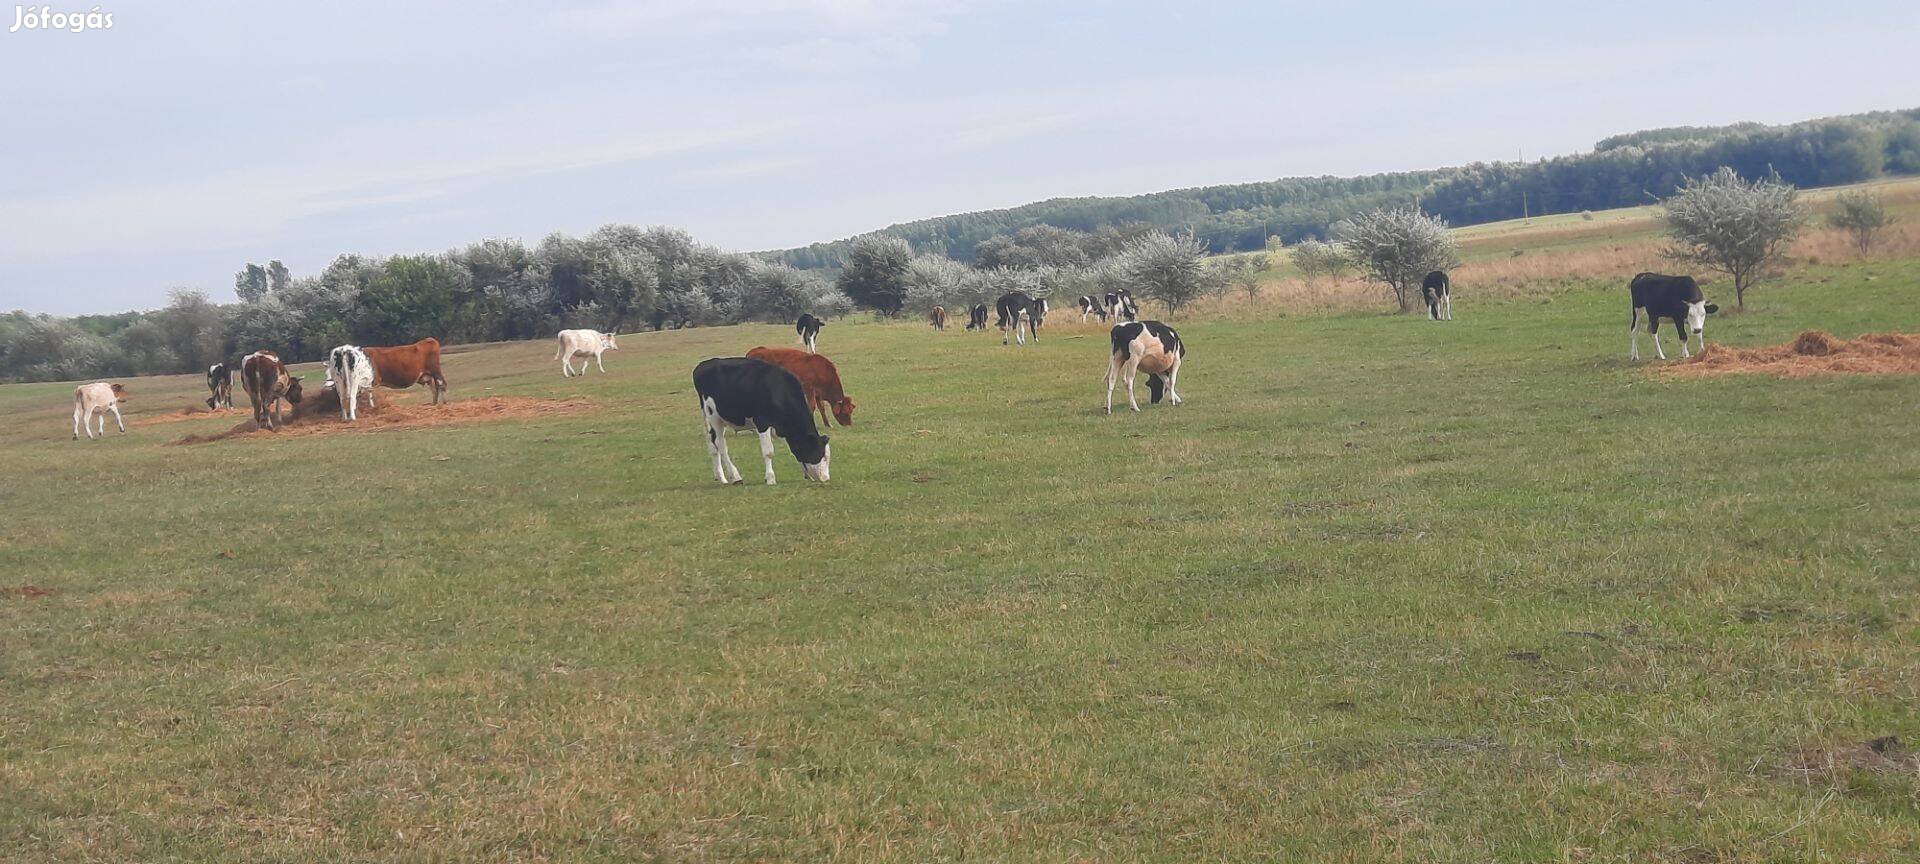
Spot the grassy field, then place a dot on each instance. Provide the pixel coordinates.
(1382, 590)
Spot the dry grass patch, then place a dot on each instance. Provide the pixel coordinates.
(1814, 352)
(320, 416)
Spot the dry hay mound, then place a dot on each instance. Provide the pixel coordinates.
(319, 414)
(1813, 352)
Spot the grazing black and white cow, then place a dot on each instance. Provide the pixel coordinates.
(1676, 298)
(809, 329)
(220, 384)
(977, 317)
(1437, 289)
(1020, 316)
(1150, 347)
(1090, 305)
(748, 393)
(1120, 304)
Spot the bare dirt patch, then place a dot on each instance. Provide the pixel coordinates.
(28, 591)
(320, 415)
(197, 412)
(1813, 353)
(1880, 754)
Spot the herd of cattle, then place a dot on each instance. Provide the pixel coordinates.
(776, 391)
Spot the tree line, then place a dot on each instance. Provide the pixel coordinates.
(618, 277)
(623, 277)
(1623, 170)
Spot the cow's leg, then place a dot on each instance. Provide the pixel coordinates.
(76, 420)
(1131, 371)
(1653, 326)
(766, 453)
(1633, 334)
(1173, 376)
(566, 364)
(1685, 341)
(116, 421)
(1449, 306)
(821, 406)
(597, 362)
(1113, 374)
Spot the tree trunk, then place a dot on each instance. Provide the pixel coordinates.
(1405, 296)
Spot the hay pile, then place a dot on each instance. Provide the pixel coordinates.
(319, 414)
(1814, 353)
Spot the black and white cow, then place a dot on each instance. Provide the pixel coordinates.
(1090, 305)
(220, 384)
(1437, 290)
(748, 393)
(809, 329)
(977, 317)
(1020, 316)
(1120, 305)
(1676, 298)
(1150, 347)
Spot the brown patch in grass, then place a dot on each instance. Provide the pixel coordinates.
(1888, 753)
(1812, 353)
(28, 591)
(321, 416)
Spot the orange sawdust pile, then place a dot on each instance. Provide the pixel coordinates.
(321, 416)
(1813, 353)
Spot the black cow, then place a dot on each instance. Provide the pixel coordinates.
(747, 393)
(977, 317)
(1676, 298)
(1090, 305)
(1150, 347)
(1017, 310)
(809, 329)
(1120, 304)
(1437, 289)
(220, 384)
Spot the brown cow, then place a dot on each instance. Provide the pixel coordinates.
(938, 317)
(818, 378)
(403, 366)
(267, 382)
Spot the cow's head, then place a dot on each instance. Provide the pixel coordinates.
(1697, 315)
(610, 340)
(813, 453)
(843, 411)
(293, 390)
(119, 392)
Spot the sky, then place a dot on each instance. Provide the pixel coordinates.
(193, 137)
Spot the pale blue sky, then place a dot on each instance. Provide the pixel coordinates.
(196, 136)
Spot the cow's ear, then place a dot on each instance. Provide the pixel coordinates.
(1712, 308)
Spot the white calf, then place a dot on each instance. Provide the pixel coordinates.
(584, 343)
(348, 372)
(97, 399)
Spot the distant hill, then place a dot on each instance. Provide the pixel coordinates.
(1621, 170)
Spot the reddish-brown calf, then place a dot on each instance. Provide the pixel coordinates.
(818, 378)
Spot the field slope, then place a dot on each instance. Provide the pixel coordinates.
(1382, 590)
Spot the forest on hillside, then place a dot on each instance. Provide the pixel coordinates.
(1622, 170)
